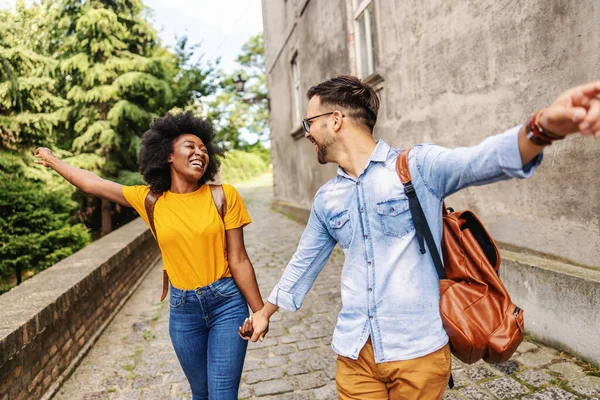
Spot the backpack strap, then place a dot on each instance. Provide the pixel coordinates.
(151, 199)
(218, 195)
(220, 201)
(422, 229)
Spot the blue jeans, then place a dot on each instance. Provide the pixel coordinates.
(203, 326)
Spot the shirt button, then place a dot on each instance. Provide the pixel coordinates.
(362, 209)
(366, 236)
(370, 317)
(358, 183)
(370, 289)
(369, 263)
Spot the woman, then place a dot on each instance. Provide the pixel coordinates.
(212, 279)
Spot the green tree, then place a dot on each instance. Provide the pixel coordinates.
(191, 79)
(35, 224)
(29, 107)
(247, 113)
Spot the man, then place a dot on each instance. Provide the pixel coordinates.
(389, 334)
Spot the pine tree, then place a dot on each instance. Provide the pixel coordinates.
(36, 230)
(29, 107)
(35, 223)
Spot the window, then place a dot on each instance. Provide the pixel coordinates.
(297, 91)
(364, 28)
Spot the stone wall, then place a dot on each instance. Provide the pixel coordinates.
(50, 321)
(452, 73)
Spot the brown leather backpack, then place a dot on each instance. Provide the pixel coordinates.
(220, 201)
(476, 310)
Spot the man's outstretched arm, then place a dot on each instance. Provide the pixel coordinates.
(576, 110)
(512, 154)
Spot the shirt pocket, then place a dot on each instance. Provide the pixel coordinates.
(341, 228)
(395, 217)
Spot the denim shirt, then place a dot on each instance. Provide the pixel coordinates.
(390, 291)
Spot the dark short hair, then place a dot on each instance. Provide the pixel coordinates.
(157, 144)
(351, 93)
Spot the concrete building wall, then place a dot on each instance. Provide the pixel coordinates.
(452, 73)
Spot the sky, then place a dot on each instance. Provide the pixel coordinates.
(222, 26)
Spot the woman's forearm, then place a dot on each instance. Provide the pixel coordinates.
(82, 179)
(245, 279)
(78, 177)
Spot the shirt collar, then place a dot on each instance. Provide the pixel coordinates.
(379, 154)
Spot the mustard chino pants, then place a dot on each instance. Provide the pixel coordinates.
(421, 378)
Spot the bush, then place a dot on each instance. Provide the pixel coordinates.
(238, 166)
(35, 224)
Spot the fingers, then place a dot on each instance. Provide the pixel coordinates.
(246, 330)
(591, 89)
(583, 95)
(591, 124)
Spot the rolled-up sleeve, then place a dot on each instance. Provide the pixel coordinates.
(446, 171)
(314, 249)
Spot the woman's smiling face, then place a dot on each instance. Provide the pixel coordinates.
(189, 157)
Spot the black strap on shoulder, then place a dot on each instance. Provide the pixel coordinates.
(422, 229)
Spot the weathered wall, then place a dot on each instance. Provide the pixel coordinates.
(322, 52)
(49, 321)
(560, 302)
(455, 73)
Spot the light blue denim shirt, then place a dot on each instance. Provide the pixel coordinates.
(390, 290)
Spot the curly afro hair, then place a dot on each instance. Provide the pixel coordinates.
(157, 144)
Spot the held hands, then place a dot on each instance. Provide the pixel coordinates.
(255, 328)
(43, 155)
(576, 110)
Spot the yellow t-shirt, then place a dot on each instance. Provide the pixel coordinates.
(190, 232)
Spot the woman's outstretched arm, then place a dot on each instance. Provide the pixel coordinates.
(82, 179)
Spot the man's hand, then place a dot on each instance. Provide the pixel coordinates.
(260, 323)
(576, 110)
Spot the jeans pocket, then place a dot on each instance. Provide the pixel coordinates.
(226, 288)
(176, 300)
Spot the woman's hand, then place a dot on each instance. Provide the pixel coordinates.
(260, 324)
(43, 155)
(246, 330)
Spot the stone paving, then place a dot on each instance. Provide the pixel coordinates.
(133, 359)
